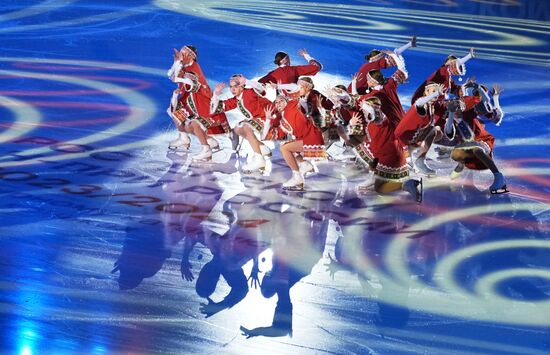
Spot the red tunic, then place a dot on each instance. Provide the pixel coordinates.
(361, 84)
(214, 123)
(252, 106)
(195, 68)
(381, 144)
(415, 126)
(440, 76)
(291, 74)
(484, 139)
(391, 106)
(294, 123)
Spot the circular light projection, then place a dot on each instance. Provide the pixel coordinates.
(453, 299)
(141, 108)
(26, 118)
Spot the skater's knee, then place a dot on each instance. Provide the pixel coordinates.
(458, 155)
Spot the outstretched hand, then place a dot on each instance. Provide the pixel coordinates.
(354, 121)
(219, 88)
(357, 76)
(177, 55)
(303, 52)
(497, 89)
(186, 273)
(413, 41)
(333, 266)
(210, 308)
(269, 110)
(253, 278)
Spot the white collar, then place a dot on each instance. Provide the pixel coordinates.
(377, 87)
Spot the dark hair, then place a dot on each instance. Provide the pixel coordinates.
(372, 54)
(377, 75)
(451, 57)
(280, 56)
(306, 79)
(343, 87)
(193, 49)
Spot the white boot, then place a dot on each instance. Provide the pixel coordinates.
(266, 152)
(204, 155)
(296, 182)
(306, 167)
(213, 143)
(257, 162)
(182, 141)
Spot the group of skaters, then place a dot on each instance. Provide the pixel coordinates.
(367, 116)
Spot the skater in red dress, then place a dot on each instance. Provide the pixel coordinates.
(306, 138)
(289, 74)
(443, 75)
(377, 60)
(383, 153)
(252, 105)
(386, 89)
(185, 61)
(417, 129)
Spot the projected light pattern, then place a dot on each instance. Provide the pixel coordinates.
(497, 38)
(113, 244)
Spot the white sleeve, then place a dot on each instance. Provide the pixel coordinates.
(403, 48)
(257, 86)
(465, 58)
(183, 81)
(214, 102)
(354, 86)
(174, 70)
(425, 99)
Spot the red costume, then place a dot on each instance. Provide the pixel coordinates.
(252, 106)
(195, 102)
(391, 106)
(362, 86)
(294, 123)
(440, 76)
(290, 74)
(381, 144)
(417, 123)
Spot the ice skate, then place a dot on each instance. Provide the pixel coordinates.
(296, 182)
(457, 171)
(205, 155)
(306, 167)
(415, 188)
(214, 145)
(182, 141)
(499, 185)
(266, 152)
(257, 163)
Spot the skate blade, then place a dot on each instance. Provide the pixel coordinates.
(420, 197)
(296, 188)
(205, 160)
(172, 147)
(249, 172)
(499, 191)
